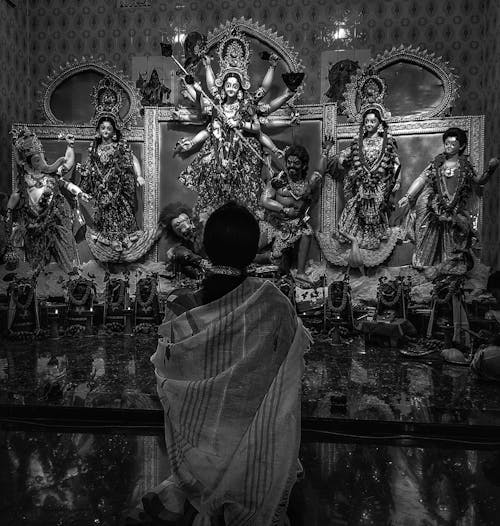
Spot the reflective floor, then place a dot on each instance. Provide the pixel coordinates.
(62, 478)
(347, 381)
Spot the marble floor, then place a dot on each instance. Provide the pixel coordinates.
(56, 469)
(63, 478)
(350, 381)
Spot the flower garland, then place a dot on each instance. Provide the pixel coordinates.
(343, 302)
(145, 328)
(85, 296)
(361, 151)
(113, 327)
(75, 329)
(146, 304)
(389, 293)
(438, 203)
(29, 297)
(370, 176)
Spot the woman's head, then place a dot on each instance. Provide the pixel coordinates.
(454, 140)
(372, 120)
(232, 86)
(231, 236)
(107, 130)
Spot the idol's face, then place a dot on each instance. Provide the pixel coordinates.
(182, 225)
(371, 122)
(106, 130)
(38, 162)
(451, 146)
(294, 166)
(231, 87)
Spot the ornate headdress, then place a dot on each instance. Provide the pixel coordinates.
(26, 144)
(107, 101)
(371, 91)
(234, 56)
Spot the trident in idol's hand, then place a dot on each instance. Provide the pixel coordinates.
(167, 51)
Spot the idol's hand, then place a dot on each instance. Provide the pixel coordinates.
(84, 197)
(493, 164)
(327, 145)
(403, 201)
(140, 180)
(206, 60)
(278, 153)
(233, 123)
(295, 118)
(183, 145)
(274, 59)
(70, 139)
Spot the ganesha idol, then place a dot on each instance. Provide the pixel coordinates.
(42, 205)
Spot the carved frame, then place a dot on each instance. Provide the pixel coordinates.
(88, 64)
(472, 124)
(326, 114)
(418, 56)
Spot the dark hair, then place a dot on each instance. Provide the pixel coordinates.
(231, 238)
(377, 114)
(459, 134)
(115, 128)
(233, 75)
(299, 151)
(170, 212)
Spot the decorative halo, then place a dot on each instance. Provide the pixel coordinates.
(107, 100)
(418, 56)
(89, 64)
(234, 56)
(270, 38)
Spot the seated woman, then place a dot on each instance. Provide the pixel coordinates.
(228, 373)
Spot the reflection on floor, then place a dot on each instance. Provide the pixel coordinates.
(348, 381)
(61, 478)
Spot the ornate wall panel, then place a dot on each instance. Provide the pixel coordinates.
(491, 82)
(14, 82)
(61, 30)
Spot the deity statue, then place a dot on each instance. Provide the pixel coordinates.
(153, 90)
(184, 242)
(41, 205)
(287, 199)
(111, 173)
(372, 177)
(229, 164)
(441, 198)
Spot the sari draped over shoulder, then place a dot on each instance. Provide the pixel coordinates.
(228, 375)
(444, 221)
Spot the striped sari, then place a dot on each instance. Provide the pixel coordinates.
(228, 375)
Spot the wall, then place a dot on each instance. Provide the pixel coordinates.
(491, 82)
(14, 79)
(62, 30)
